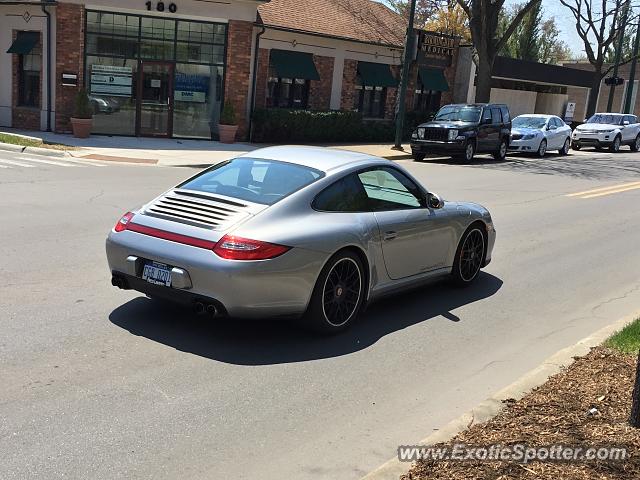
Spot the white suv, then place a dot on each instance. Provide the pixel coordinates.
(608, 130)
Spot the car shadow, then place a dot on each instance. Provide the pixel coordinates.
(266, 342)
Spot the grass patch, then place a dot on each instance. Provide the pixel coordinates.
(29, 142)
(626, 340)
(17, 140)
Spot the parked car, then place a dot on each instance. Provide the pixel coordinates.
(464, 130)
(533, 133)
(297, 232)
(608, 130)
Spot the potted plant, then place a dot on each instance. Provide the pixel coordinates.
(82, 118)
(228, 126)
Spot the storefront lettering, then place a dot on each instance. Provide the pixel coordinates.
(111, 80)
(436, 45)
(160, 6)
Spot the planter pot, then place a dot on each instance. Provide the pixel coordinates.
(81, 127)
(227, 133)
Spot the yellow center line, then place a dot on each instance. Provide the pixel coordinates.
(603, 189)
(619, 190)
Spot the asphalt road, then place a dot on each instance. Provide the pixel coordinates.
(97, 383)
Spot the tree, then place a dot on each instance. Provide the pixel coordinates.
(483, 18)
(524, 43)
(627, 45)
(598, 27)
(425, 9)
(552, 49)
(451, 19)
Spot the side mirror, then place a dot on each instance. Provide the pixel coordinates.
(434, 201)
(486, 121)
(625, 123)
(551, 127)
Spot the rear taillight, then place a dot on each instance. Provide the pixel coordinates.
(238, 248)
(122, 223)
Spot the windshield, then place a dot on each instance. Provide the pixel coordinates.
(458, 113)
(254, 180)
(529, 122)
(609, 119)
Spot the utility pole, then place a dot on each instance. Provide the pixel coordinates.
(402, 94)
(634, 418)
(632, 74)
(618, 53)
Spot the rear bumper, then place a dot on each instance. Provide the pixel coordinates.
(432, 147)
(280, 286)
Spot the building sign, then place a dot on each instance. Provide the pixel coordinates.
(191, 88)
(568, 113)
(111, 80)
(435, 49)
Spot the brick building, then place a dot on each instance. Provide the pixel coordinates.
(165, 67)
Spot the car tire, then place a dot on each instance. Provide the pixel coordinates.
(338, 295)
(542, 148)
(635, 146)
(468, 153)
(469, 256)
(575, 146)
(565, 147)
(418, 157)
(501, 153)
(615, 145)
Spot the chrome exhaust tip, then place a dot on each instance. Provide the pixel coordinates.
(212, 310)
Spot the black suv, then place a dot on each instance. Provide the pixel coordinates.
(463, 130)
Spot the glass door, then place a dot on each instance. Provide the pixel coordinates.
(155, 99)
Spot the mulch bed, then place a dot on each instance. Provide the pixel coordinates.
(556, 413)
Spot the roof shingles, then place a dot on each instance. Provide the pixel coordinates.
(362, 20)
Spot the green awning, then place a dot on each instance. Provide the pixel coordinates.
(24, 43)
(376, 75)
(288, 64)
(433, 79)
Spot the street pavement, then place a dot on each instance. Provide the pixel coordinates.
(98, 383)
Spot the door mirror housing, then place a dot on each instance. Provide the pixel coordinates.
(551, 127)
(486, 121)
(434, 201)
(625, 123)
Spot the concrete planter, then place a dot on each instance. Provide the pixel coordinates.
(227, 133)
(81, 127)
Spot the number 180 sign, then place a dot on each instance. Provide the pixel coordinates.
(160, 6)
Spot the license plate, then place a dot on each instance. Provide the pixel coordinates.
(157, 273)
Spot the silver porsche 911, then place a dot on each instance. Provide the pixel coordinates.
(303, 232)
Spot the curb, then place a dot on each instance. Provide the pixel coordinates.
(10, 147)
(490, 407)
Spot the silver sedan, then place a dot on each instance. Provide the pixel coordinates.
(539, 134)
(302, 232)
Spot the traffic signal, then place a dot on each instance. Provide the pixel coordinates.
(613, 81)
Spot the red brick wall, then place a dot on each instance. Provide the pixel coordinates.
(392, 93)
(320, 90)
(261, 78)
(348, 84)
(24, 117)
(237, 76)
(69, 44)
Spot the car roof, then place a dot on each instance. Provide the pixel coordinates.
(476, 105)
(320, 158)
(612, 113)
(537, 115)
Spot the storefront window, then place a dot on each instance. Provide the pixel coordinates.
(111, 86)
(197, 100)
(426, 100)
(154, 76)
(29, 68)
(370, 101)
(287, 92)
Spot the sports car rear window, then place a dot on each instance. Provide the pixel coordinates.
(253, 179)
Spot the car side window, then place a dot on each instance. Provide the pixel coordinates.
(344, 195)
(630, 119)
(389, 189)
(486, 114)
(496, 116)
(506, 117)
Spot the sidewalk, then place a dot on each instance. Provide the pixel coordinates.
(176, 152)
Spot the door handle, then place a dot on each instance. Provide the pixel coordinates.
(390, 235)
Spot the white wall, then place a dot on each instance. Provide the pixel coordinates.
(330, 47)
(551, 103)
(12, 18)
(519, 101)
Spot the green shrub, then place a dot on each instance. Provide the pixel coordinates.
(304, 126)
(228, 114)
(82, 108)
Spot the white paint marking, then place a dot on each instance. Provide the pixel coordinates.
(18, 164)
(49, 162)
